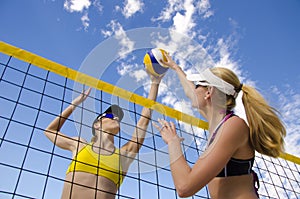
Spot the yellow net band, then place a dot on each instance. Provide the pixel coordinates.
(290, 158)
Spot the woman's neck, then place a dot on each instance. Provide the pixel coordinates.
(104, 143)
(214, 117)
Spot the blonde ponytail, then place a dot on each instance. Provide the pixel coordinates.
(267, 131)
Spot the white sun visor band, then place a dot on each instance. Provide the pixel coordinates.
(213, 80)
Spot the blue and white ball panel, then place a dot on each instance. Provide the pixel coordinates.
(152, 63)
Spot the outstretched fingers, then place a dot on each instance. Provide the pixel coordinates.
(83, 95)
(86, 93)
(167, 130)
(169, 61)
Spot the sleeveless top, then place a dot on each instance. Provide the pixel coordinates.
(107, 166)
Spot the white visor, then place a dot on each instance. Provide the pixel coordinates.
(212, 80)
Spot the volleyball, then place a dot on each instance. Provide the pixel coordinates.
(152, 61)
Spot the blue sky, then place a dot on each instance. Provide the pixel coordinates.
(259, 40)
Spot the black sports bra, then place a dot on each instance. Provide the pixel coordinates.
(234, 167)
(237, 167)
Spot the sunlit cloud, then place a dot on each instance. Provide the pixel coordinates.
(202, 8)
(85, 21)
(76, 5)
(131, 7)
(125, 43)
(97, 4)
(184, 23)
(79, 6)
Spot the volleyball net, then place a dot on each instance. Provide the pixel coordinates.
(35, 90)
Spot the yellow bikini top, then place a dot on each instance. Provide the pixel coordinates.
(107, 166)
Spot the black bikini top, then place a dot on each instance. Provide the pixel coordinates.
(234, 167)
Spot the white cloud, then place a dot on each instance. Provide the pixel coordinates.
(133, 70)
(224, 54)
(184, 23)
(79, 6)
(126, 45)
(106, 33)
(183, 15)
(131, 7)
(76, 5)
(85, 21)
(147, 84)
(203, 7)
(124, 69)
(139, 75)
(98, 5)
(175, 6)
(169, 99)
(167, 12)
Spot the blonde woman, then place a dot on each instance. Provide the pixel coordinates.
(98, 168)
(226, 165)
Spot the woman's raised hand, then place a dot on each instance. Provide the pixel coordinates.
(170, 62)
(167, 131)
(82, 96)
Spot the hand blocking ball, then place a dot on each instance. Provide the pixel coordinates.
(152, 61)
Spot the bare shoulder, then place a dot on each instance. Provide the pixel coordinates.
(237, 129)
(78, 144)
(238, 122)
